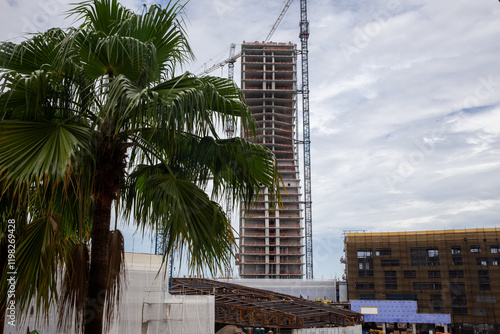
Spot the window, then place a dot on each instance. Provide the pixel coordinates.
(366, 296)
(426, 286)
(485, 286)
(482, 261)
(456, 273)
(365, 263)
(495, 249)
(479, 312)
(363, 254)
(437, 303)
(484, 280)
(364, 286)
(457, 287)
(424, 256)
(383, 251)
(475, 249)
(400, 296)
(391, 280)
(490, 299)
(389, 263)
(410, 274)
(459, 310)
(458, 298)
(434, 274)
(365, 273)
(456, 256)
(487, 261)
(433, 252)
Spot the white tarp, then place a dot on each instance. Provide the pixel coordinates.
(146, 307)
(179, 314)
(331, 330)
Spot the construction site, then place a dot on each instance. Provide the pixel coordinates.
(275, 239)
(455, 272)
(394, 282)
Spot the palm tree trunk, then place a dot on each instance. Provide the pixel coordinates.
(96, 295)
(111, 164)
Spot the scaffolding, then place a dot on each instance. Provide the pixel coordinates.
(271, 238)
(447, 271)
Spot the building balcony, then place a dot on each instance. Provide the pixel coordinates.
(253, 252)
(246, 272)
(291, 253)
(254, 261)
(254, 215)
(290, 235)
(252, 226)
(253, 243)
(288, 215)
(291, 262)
(290, 273)
(254, 235)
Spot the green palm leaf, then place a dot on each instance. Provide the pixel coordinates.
(40, 252)
(33, 54)
(30, 151)
(185, 214)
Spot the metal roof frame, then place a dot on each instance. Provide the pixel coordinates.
(244, 306)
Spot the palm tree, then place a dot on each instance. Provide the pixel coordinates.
(94, 119)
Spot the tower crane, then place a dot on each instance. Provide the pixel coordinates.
(304, 52)
(304, 37)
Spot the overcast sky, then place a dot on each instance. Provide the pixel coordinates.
(404, 105)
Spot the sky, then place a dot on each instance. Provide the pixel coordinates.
(404, 105)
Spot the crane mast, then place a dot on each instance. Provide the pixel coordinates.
(304, 37)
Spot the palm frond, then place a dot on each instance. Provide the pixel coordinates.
(195, 105)
(72, 303)
(30, 151)
(164, 28)
(113, 55)
(116, 276)
(234, 164)
(40, 253)
(100, 15)
(33, 54)
(188, 218)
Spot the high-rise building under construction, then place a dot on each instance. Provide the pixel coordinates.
(271, 241)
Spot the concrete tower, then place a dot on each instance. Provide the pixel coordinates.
(271, 241)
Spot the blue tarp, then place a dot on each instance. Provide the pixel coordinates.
(404, 311)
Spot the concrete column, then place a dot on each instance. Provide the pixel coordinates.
(446, 328)
(414, 328)
(384, 328)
